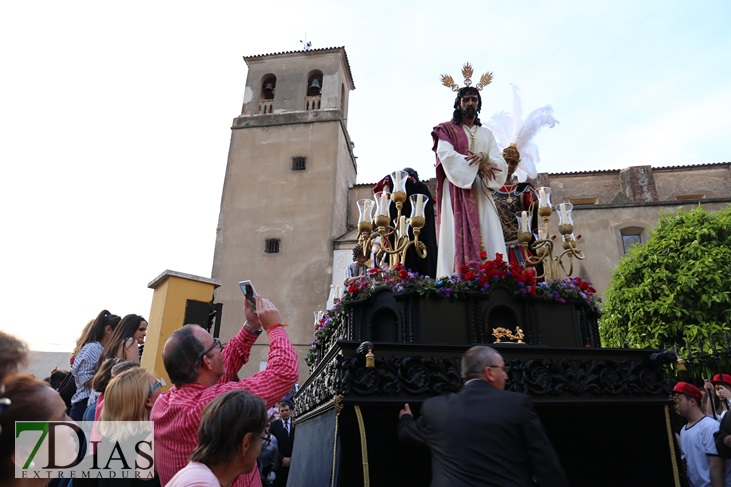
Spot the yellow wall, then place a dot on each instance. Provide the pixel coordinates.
(167, 313)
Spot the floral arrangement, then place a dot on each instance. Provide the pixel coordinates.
(482, 279)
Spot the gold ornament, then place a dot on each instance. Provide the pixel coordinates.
(467, 72)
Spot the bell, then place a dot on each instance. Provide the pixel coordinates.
(268, 91)
(314, 89)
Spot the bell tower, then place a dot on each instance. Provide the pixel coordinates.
(285, 193)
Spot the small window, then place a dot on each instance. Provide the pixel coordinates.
(299, 163)
(271, 246)
(630, 239)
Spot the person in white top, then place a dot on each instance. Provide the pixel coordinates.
(229, 441)
(704, 466)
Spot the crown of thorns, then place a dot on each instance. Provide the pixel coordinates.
(467, 72)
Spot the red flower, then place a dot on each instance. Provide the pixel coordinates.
(373, 270)
(469, 276)
(403, 273)
(464, 268)
(352, 289)
(498, 257)
(398, 266)
(483, 255)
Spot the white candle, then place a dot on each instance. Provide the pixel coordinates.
(562, 209)
(420, 205)
(541, 234)
(542, 197)
(384, 201)
(524, 222)
(402, 226)
(397, 180)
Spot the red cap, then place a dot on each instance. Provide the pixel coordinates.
(688, 390)
(721, 379)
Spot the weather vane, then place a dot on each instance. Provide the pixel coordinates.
(306, 45)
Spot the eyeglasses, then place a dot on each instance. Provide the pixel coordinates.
(506, 368)
(216, 343)
(261, 437)
(160, 383)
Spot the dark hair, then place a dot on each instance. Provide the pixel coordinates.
(13, 354)
(181, 355)
(25, 393)
(125, 330)
(457, 114)
(411, 172)
(95, 331)
(104, 374)
(476, 359)
(225, 422)
(357, 252)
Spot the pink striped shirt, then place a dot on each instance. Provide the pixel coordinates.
(177, 413)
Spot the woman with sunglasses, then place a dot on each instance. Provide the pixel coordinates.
(128, 399)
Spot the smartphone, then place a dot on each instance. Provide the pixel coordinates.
(249, 293)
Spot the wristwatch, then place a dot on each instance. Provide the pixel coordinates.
(248, 327)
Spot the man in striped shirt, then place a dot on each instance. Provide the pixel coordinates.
(201, 369)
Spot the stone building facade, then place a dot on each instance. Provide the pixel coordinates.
(288, 209)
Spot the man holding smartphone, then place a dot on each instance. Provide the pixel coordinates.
(201, 369)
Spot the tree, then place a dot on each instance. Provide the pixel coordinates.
(674, 289)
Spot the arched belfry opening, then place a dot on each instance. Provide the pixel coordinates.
(266, 96)
(314, 91)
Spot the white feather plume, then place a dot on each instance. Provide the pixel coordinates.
(517, 112)
(512, 129)
(501, 126)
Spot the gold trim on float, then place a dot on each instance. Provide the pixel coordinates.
(338, 403)
(363, 446)
(671, 444)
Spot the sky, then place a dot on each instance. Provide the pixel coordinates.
(115, 116)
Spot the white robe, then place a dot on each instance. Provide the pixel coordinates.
(460, 173)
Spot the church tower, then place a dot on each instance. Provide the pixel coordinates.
(285, 194)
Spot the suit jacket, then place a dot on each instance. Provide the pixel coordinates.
(483, 436)
(285, 441)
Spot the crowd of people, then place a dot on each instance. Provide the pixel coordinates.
(705, 438)
(210, 428)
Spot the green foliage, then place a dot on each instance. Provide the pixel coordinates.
(674, 288)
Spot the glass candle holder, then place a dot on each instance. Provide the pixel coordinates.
(544, 197)
(524, 221)
(399, 181)
(365, 210)
(565, 220)
(418, 203)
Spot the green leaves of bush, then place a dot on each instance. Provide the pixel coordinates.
(675, 287)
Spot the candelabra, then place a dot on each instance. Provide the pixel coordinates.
(370, 228)
(543, 247)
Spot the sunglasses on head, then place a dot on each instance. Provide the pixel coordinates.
(160, 383)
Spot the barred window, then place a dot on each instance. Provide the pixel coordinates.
(271, 246)
(299, 163)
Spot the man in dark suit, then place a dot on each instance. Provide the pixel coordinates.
(483, 435)
(283, 430)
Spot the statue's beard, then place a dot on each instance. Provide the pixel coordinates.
(469, 113)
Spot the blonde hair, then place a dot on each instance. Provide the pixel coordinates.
(124, 401)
